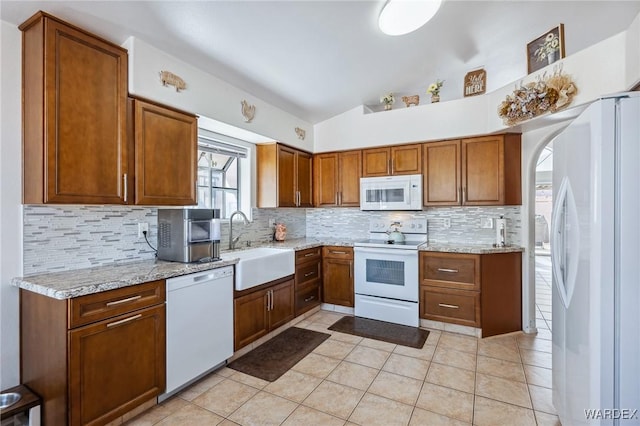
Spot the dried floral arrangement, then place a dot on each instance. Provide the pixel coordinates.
(547, 94)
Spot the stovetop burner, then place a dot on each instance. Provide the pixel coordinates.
(414, 230)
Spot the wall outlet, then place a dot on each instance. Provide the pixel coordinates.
(143, 227)
(272, 222)
(486, 223)
(446, 222)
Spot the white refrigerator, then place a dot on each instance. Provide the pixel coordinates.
(596, 265)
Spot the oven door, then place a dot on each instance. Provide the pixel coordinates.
(391, 273)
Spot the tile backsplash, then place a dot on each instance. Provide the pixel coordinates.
(58, 238)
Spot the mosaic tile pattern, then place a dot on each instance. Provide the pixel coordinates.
(61, 238)
(465, 223)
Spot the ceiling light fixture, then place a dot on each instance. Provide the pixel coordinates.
(400, 17)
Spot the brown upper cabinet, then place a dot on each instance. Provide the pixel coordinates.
(165, 150)
(284, 176)
(395, 160)
(74, 115)
(336, 180)
(473, 172)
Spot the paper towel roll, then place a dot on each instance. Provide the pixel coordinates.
(501, 232)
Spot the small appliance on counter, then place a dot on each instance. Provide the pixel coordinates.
(189, 235)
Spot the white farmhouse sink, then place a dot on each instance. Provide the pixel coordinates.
(261, 265)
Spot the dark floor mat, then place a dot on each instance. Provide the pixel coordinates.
(380, 330)
(275, 357)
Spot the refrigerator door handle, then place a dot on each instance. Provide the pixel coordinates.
(565, 241)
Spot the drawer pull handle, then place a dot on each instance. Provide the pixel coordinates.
(113, 324)
(308, 274)
(446, 305)
(128, 299)
(309, 299)
(337, 252)
(309, 254)
(451, 271)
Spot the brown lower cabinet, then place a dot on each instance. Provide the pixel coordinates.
(96, 357)
(476, 290)
(308, 279)
(337, 277)
(261, 309)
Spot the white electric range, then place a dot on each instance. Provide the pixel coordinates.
(386, 272)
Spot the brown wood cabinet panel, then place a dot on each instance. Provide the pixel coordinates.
(166, 147)
(308, 272)
(442, 184)
(406, 159)
(449, 305)
(307, 297)
(350, 172)
(501, 293)
(337, 276)
(282, 304)
(74, 115)
(337, 179)
(304, 179)
(460, 271)
(116, 365)
(97, 372)
(98, 306)
(376, 162)
(491, 170)
(326, 179)
(251, 318)
(308, 255)
(259, 310)
(285, 176)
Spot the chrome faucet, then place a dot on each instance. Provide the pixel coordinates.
(233, 241)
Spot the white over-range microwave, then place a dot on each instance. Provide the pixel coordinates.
(391, 193)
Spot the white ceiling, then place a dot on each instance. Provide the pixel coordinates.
(317, 59)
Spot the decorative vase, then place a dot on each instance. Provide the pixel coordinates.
(435, 98)
(387, 107)
(281, 232)
(552, 56)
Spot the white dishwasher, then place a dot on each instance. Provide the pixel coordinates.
(199, 325)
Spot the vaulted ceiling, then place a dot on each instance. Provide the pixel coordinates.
(317, 59)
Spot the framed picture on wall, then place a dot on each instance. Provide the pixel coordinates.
(546, 49)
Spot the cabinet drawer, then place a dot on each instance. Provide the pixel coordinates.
(337, 252)
(308, 255)
(307, 298)
(461, 271)
(308, 272)
(454, 306)
(107, 304)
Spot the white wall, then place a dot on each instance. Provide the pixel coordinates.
(10, 203)
(607, 67)
(208, 95)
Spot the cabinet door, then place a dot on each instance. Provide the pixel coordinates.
(251, 320)
(85, 93)
(376, 162)
(115, 365)
(337, 282)
(166, 145)
(281, 311)
(406, 159)
(442, 185)
(286, 177)
(350, 172)
(483, 171)
(304, 179)
(326, 180)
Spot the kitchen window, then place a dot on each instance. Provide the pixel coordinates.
(220, 183)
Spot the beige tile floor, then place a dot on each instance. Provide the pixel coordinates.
(348, 380)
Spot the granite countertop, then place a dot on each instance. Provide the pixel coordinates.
(470, 249)
(80, 282)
